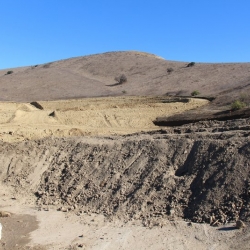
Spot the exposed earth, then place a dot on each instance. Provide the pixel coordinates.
(138, 165)
(91, 116)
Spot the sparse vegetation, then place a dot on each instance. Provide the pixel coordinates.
(47, 65)
(245, 97)
(121, 79)
(236, 105)
(9, 72)
(124, 91)
(170, 70)
(195, 93)
(191, 64)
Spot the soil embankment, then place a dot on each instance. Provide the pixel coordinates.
(202, 114)
(193, 172)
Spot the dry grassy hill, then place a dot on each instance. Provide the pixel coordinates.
(147, 74)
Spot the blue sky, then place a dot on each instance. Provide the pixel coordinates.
(35, 32)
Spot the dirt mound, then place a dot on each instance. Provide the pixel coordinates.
(195, 172)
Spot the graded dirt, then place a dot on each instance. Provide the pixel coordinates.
(91, 116)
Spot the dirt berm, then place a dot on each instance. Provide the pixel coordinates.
(198, 172)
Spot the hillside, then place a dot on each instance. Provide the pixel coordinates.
(147, 74)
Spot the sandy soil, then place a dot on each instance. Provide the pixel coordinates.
(92, 116)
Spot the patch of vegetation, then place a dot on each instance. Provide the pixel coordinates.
(195, 93)
(191, 64)
(124, 92)
(236, 105)
(170, 70)
(121, 79)
(9, 72)
(47, 65)
(245, 97)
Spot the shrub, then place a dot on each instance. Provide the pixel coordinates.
(191, 64)
(194, 93)
(9, 72)
(170, 70)
(121, 79)
(236, 105)
(47, 65)
(245, 97)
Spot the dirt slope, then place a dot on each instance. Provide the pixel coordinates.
(190, 172)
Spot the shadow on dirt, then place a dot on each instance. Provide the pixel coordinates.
(226, 228)
(113, 85)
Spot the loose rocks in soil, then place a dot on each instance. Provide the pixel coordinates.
(196, 172)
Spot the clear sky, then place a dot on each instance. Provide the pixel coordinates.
(40, 31)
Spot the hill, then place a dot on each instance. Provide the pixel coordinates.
(147, 74)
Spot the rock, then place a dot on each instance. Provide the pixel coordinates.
(171, 212)
(63, 209)
(240, 224)
(4, 214)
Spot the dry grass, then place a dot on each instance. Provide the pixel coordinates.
(93, 76)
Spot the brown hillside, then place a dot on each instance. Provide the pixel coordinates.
(147, 74)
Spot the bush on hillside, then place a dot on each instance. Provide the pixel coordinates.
(191, 64)
(9, 72)
(170, 70)
(194, 93)
(121, 79)
(245, 97)
(236, 105)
